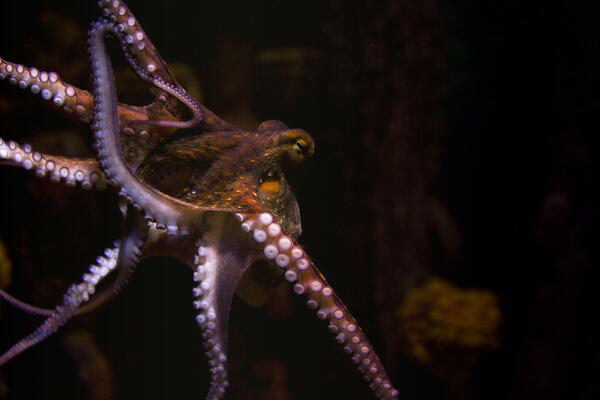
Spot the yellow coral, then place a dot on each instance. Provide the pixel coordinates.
(441, 321)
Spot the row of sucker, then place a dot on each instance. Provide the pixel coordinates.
(204, 277)
(167, 212)
(132, 244)
(49, 86)
(76, 295)
(144, 60)
(284, 252)
(86, 173)
(68, 97)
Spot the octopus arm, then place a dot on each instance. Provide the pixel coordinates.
(23, 306)
(50, 87)
(79, 103)
(223, 255)
(68, 98)
(168, 212)
(132, 245)
(72, 171)
(76, 295)
(150, 64)
(307, 280)
(77, 299)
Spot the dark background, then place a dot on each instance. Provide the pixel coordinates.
(453, 139)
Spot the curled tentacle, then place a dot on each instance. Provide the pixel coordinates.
(86, 172)
(301, 271)
(136, 47)
(168, 212)
(148, 64)
(76, 295)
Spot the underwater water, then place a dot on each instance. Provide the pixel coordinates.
(451, 200)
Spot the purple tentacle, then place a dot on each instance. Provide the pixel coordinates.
(174, 90)
(86, 172)
(76, 295)
(125, 256)
(28, 308)
(129, 256)
(219, 265)
(168, 212)
(146, 61)
(285, 253)
(212, 319)
(148, 73)
(49, 86)
(79, 103)
(57, 319)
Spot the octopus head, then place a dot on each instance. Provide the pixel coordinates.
(289, 147)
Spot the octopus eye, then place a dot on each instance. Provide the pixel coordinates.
(301, 145)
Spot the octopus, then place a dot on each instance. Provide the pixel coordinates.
(215, 197)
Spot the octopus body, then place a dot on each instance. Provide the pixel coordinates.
(216, 198)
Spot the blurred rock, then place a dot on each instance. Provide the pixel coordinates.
(443, 325)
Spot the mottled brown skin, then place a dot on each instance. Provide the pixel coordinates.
(232, 169)
(235, 169)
